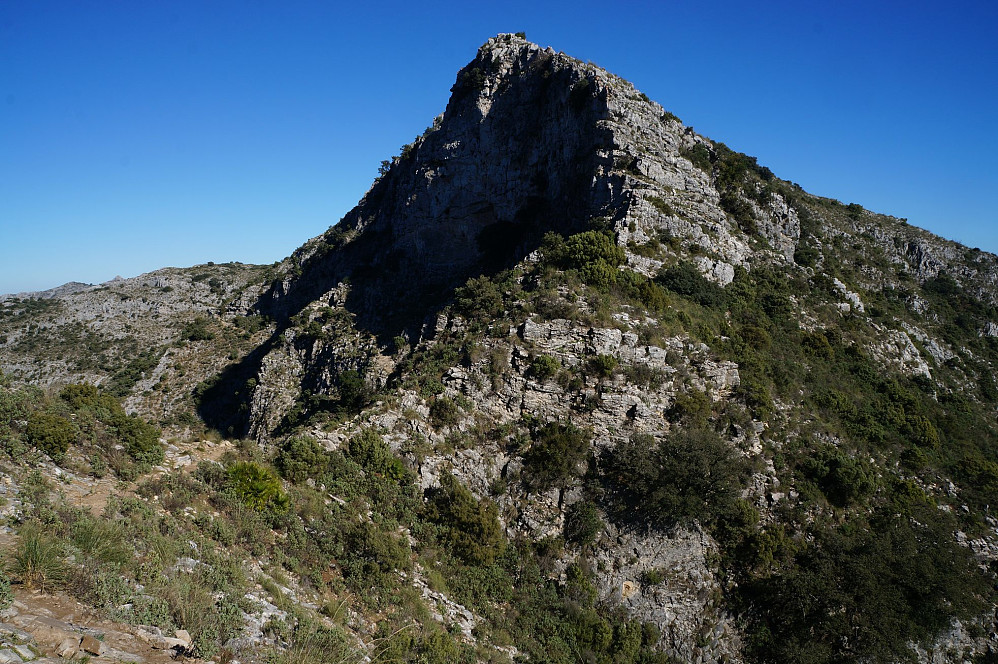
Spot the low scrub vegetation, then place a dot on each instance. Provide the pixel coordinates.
(82, 423)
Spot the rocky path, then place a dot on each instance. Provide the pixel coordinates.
(41, 627)
(54, 627)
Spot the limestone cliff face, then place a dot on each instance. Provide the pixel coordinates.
(532, 141)
(515, 154)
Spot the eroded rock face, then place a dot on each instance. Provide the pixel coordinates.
(514, 155)
(532, 141)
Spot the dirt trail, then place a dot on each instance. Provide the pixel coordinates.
(54, 627)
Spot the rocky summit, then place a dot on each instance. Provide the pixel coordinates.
(572, 383)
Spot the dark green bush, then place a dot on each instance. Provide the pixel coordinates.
(373, 556)
(806, 256)
(594, 254)
(756, 395)
(51, 434)
(843, 479)
(700, 156)
(80, 396)
(479, 299)
(582, 523)
(816, 344)
(444, 412)
(543, 367)
(555, 455)
(692, 407)
(469, 80)
(642, 289)
(470, 526)
(354, 393)
(686, 280)
(141, 440)
(691, 475)
(301, 457)
(197, 330)
(601, 366)
(741, 210)
(866, 591)
(369, 450)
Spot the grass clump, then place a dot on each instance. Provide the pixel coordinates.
(38, 561)
(256, 486)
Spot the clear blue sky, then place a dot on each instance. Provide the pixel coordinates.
(139, 135)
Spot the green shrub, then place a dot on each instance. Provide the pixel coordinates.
(843, 479)
(755, 337)
(817, 345)
(101, 540)
(653, 577)
(192, 606)
(301, 457)
(692, 407)
(369, 450)
(51, 434)
(38, 561)
(197, 330)
(691, 475)
(594, 254)
(686, 280)
(601, 366)
(741, 210)
(141, 440)
(470, 80)
(555, 455)
(806, 256)
(99, 585)
(867, 591)
(354, 393)
(756, 395)
(543, 367)
(470, 526)
(645, 375)
(582, 523)
(80, 396)
(256, 486)
(372, 556)
(700, 156)
(444, 412)
(125, 378)
(479, 299)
